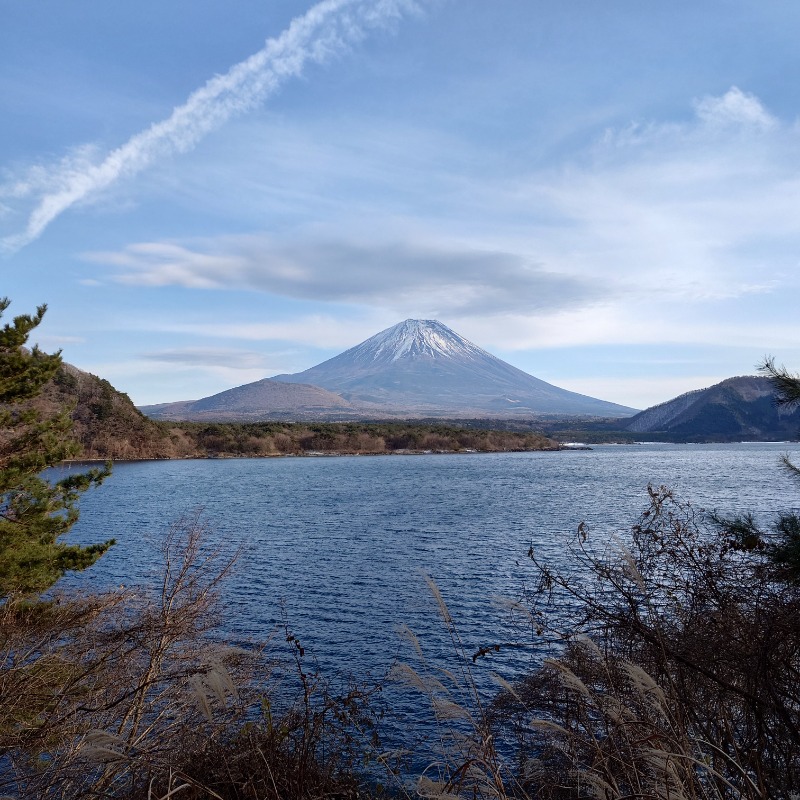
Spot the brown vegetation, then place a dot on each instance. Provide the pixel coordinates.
(105, 423)
(130, 695)
(287, 438)
(676, 667)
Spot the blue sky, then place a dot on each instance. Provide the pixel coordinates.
(604, 194)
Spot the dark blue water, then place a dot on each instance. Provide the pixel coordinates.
(338, 545)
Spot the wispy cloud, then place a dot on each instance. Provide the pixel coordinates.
(435, 279)
(210, 357)
(328, 29)
(48, 342)
(681, 208)
(319, 331)
(736, 108)
(703, 210)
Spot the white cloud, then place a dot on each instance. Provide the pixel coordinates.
(690, 213)
(193, 357)
(734, 108)
(326, 30)
(699, 211)
(438, 279)
(314, 330)
(645, 323)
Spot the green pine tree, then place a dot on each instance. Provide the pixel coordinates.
(34, 511)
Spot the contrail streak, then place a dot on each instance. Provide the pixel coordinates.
(327, 29)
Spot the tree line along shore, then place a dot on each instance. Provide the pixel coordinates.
(108, 426)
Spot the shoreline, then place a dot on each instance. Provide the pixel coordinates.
(319, 454)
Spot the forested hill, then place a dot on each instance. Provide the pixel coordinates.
(105, 421)
(737, 409)
(109, 426)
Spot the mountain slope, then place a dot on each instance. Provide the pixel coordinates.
(741, 408)
(263, 400)
(422, 367)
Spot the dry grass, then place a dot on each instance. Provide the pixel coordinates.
(465, 762)
(130, 695)
(594, 725)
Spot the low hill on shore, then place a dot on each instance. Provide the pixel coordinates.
(105, 422)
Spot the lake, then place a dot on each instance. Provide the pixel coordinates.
(338, 545)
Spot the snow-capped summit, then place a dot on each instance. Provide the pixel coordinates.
(421, 367)
(415, 338)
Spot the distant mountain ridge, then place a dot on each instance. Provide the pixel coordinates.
(263, 400)
(736, 409)
(422, 367)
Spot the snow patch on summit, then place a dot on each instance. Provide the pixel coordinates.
(417, 338)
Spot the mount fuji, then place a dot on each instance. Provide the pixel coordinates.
(418, 368)
(423, 368)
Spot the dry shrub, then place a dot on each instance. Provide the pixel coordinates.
(693, 690)
(594, 725)
(436, 441)
(131, 694)
(316, 747)
(283, 443)
(367, 443)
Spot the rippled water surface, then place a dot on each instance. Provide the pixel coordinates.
(340, 543)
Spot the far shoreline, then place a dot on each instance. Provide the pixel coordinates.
(320, 454)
